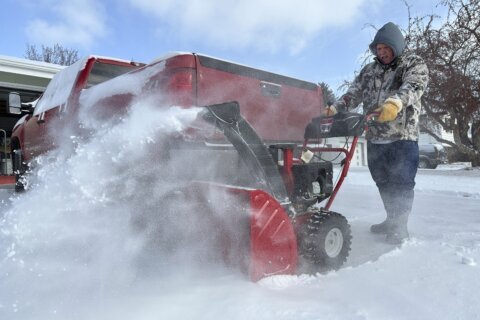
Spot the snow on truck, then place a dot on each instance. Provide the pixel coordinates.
(266, 124)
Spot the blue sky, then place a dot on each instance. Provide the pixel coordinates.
(315, 40)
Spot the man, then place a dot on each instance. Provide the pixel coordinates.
(392, 85)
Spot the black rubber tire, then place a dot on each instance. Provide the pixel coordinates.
(423, 164)
(325, 242)
(19, 169)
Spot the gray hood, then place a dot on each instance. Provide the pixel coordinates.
(391, 36)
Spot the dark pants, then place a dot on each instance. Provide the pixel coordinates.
(393, 167)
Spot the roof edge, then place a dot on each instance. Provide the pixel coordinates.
(29, 67)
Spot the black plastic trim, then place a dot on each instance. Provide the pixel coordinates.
(261, 75)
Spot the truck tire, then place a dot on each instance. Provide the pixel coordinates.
(325, 241)
(19, 169)
(423, 163)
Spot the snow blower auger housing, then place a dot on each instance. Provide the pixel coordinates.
(285, 211)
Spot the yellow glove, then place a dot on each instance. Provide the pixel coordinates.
(329, 111)
(389, 110)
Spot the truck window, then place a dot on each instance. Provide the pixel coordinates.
(102, 72)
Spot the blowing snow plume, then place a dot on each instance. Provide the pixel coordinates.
(114, 213)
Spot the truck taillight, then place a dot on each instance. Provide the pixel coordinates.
(181, 80)
(180, 87)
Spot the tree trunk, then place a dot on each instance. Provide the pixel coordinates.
(476, 142)
(475, 161)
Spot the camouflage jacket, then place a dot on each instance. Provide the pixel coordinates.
(406, 79)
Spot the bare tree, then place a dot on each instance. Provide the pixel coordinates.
(58, 54)
(328, 95)
(452, 53)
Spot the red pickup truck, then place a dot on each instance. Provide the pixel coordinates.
(276, 106)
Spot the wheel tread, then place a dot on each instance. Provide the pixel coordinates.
(314, 233)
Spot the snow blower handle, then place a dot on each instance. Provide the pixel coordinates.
(371, 119)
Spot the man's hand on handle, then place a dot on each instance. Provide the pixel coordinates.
(389, 110)
(329, 111)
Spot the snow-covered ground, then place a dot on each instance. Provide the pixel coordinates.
(66, 252)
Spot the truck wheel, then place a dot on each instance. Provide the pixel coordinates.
(423, 164)
(19, 169)
(325, 241)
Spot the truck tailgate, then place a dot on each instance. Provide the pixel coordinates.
(277, 107)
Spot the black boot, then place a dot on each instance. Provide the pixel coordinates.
(382, 228)
(385, 226)
(398, 231)
(401, 208)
